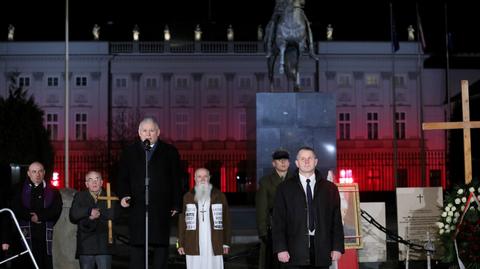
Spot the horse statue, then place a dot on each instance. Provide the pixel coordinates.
(293, 36)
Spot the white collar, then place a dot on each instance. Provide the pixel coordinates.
(303, 179)
(36, 185)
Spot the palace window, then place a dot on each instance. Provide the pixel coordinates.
(24, 81)
(372, 80)
(242, 126)
(81, 126)
(213, 126)
(181, 83)
(372, 125)
(181, 126)
(400, 125)
(213, 83)
(245, 83)
(344, 126)
(400, 81)
(81, 81)
(52, 82)
(52, 125)
(120, 83)
(150, 83)
(344, 80)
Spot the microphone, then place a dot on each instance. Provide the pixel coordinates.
(146, 144)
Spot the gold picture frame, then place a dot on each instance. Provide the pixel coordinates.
(350, 207)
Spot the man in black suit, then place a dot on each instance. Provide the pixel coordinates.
(307, 225)
(164, 193)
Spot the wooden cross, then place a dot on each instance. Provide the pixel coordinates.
(109, 200)
(466, 125)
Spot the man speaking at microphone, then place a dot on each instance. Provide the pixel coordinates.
(164, 193)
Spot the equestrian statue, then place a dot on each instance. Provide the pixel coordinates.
(288, 35)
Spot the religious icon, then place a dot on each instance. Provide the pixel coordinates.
(350, 210)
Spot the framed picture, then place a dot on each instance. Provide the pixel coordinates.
(350, 208)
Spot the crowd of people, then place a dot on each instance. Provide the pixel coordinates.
(298, 214)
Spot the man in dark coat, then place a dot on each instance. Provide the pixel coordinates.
(38, 206)
(307, 225)
(91, 216)
(164, 193)
(264, 206)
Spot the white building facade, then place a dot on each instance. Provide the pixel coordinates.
(201, 92)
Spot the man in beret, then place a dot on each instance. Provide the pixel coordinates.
(264, 203)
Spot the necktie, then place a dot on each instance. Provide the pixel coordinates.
(311, 219)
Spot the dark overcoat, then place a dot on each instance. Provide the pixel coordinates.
(264, 200)
(164, 190)
(92, 235)
(289, 227)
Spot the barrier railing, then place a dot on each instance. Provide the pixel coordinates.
(28, 250)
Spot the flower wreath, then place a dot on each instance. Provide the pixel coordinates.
(461, 223)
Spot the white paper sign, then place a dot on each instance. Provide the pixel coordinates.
(217, 216)
(191, 217)
(374, 241)
(418, 209)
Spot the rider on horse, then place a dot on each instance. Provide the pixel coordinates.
(271, 28)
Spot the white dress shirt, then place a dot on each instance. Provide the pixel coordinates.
(303, 180)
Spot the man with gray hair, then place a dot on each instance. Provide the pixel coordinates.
(91, 216)
(204, 232)
(165, 186)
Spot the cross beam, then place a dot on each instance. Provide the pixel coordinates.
(466, 125)
(109, 200)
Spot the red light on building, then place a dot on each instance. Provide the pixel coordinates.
(346, 176)
(55, 182)
(191, 180)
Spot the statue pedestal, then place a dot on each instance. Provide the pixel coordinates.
(293, 120)
(65, 236)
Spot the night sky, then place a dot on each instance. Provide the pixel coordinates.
(356, 20)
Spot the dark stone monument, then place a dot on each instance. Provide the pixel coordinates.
(293, 120)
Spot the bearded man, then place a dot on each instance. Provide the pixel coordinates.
(204, 233)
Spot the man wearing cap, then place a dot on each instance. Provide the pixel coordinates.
(264, 203)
